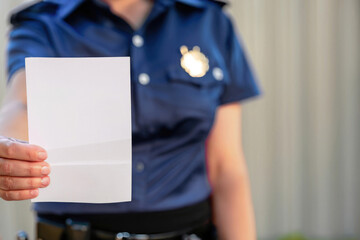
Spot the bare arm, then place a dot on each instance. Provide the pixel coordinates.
(22, 166)
(232, 205)
(13, 115)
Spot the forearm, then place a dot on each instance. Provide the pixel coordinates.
(232, 205)
(13, 120)
(13, 112)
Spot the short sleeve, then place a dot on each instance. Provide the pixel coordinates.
(242, 83)
(27, 38)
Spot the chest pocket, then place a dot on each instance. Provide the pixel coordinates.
(193, 95)
(213, 78)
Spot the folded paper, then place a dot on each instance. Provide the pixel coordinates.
(79, 110)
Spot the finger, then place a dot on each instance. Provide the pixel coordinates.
(22, 151)
(15, 168)
(19, 195)
(18, 183)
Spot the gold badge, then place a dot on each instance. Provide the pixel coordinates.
(194, 62)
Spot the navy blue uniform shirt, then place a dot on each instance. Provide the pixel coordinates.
(172, 111)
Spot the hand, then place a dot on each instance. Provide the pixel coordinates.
(22, 169)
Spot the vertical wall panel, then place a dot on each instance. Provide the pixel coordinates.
(349, 136)
(301, 139)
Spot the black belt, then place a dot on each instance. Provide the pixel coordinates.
(178, 224)
(141, 222)
(48, 230)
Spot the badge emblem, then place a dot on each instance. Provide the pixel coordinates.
(194, 62)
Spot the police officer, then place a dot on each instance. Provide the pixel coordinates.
(189, 73)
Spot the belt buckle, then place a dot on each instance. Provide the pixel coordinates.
(122, 236)
(126, 235)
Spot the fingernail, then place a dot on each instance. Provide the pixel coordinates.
(42, 155)
(45, 181)
(45, 170)
(34, 193)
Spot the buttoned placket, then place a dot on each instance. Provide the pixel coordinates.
(141, 82)
(141, 75)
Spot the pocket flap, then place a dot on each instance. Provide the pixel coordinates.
(177, 74)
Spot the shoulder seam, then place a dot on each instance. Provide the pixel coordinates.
(21, 10)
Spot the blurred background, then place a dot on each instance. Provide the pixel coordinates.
(302, 138)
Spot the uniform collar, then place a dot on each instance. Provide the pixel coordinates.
(68, 6)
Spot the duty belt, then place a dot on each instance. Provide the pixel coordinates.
(48, 230)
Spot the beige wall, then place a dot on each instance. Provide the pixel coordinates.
(302, 137)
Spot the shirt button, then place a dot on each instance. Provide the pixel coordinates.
(144, 79)
(138, 41)
(140, 167)
(218, 74)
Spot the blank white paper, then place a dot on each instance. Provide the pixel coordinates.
(79, 110)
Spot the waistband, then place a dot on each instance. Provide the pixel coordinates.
(83, 231)
(142, 222)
